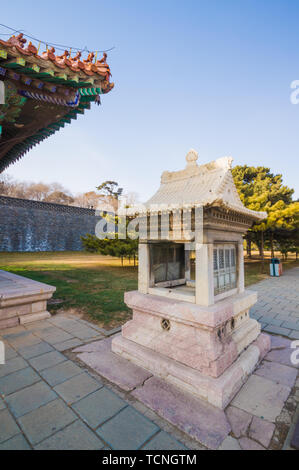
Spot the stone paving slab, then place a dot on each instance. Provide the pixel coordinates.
(84, 333)
(30, 352)
(69, 344)
(262, 397)
(239, 420)
(164, 441)
(101, 346)
(53, 335)
(13, 365)
(294, 334)
(21, 341)
(98, 407)
(281, 356)
(293, 325)
(199, 419)
(12, 331)
(15, 443)
(248, 444)
(16, 381)
(279, 373)
(230, 443)
(77, 387)
(128, 430)
(278, 342)
(8, 426)
(295, 438)
(60, 373)
(47, 360)
(10, 353)
(30, 398)
(46, 420)
(114, 368)
(261, 431)
(76, 436)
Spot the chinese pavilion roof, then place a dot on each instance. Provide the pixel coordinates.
(211, 184)
(41, 93)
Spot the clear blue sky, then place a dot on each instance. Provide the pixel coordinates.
(209, 74)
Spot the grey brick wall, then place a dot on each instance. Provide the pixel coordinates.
(39, 226)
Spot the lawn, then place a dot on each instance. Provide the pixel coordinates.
(89, 285)
(92, 285)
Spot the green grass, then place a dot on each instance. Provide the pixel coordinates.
(93, 285)
(88, 284)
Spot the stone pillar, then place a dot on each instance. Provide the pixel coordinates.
(143, 268)
(187, 264)
(240, 268)
(204, 278)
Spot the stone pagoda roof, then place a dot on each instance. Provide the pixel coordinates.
(210, 184)
(42, 92)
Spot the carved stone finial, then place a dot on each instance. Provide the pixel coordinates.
(191, 158)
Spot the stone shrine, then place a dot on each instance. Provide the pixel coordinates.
(191, 321)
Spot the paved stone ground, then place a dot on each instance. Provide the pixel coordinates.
(51, 400)
(278, 305)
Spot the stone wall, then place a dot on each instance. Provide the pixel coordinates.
(40, 226)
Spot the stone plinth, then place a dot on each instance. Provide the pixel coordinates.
(22, 300)
(200, 349)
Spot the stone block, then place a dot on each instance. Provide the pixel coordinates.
(9, 323)
(116, 369)
(25, 319)
(41, 306)
(193, 338)
(202, 421)
(218, 392)
(15, 311)
(22, 297)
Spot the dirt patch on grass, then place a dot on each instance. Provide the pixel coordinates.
(121, 317)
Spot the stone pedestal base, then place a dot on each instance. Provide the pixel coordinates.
(22, 300)
(217, 391)
(200, 349)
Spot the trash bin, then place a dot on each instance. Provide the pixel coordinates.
(275, 267)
